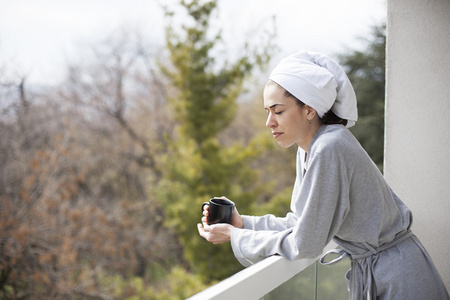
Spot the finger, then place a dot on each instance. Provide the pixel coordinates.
(206, 227)
(206, 210)
(201, 231)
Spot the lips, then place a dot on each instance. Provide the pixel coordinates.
(276, 134)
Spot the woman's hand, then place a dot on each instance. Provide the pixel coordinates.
(219, 233)
(236, 219)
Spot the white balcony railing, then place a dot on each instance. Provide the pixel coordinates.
(257, 280)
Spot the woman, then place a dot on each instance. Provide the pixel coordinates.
(339, 193)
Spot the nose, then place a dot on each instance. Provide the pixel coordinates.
(271, 122)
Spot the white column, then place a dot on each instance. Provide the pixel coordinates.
(417, 139)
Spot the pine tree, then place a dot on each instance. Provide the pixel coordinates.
(197, 166)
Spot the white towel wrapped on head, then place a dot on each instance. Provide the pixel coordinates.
(318, 81)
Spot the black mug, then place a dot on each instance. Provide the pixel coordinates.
(220, 210)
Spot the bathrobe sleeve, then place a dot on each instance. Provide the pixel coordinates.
(270, 222)
(320, 202)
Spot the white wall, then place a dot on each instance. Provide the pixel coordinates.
(417, 140)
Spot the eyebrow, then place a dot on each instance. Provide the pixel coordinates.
(274, 105)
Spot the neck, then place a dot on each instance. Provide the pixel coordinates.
(306, 142)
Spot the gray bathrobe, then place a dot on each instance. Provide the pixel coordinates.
(340, 194)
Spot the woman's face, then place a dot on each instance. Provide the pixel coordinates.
(286, 118)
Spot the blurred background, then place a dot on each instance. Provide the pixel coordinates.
(119, 118)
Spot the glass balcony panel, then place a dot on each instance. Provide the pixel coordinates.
(331, 283)
(301, 286)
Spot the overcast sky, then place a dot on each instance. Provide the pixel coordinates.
(37, 37)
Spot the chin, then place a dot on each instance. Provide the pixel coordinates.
(285, 145)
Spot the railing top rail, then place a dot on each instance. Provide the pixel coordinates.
(256, 281)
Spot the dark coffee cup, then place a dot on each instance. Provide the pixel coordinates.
(220, 210)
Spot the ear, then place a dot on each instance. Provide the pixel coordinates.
(310, 112)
